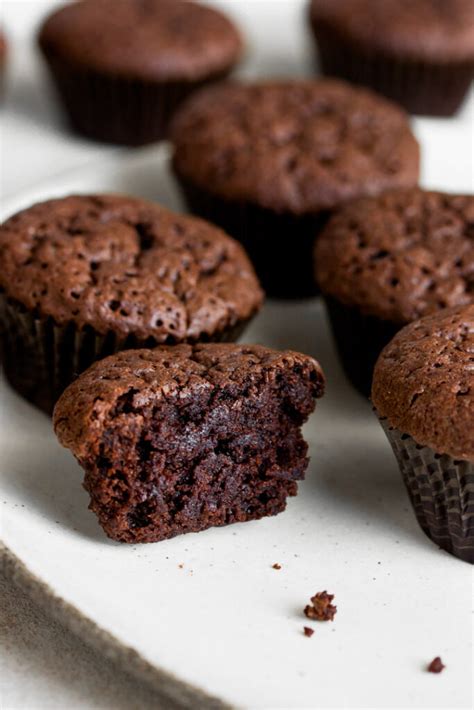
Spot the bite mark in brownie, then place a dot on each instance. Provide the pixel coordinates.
(180, 439)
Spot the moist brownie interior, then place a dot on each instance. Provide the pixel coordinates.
(205, 454)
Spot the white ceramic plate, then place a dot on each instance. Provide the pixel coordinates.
(226, 625)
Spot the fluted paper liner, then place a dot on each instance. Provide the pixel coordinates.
(280, 245)
(359, 339)
(422, 87)
(441, 490)
(41, 358)
(117, 109)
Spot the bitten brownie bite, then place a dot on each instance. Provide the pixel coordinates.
(3, 58)
(268, 161)
(182, 438)
(423, 394)
(384, 262)
(84, 276)
(121, 67)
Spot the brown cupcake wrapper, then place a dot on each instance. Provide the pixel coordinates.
(40, 358)
(420, 86)
(115, 109)
(441, 491)
(359, 340)
(280, 245)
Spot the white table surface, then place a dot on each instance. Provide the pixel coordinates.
(42, 664)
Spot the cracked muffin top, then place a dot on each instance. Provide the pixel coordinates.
(131, 380)
(151, 40)
(125, 265)
(421, 29)
(400, 256)
(294, 146)
(424, 382)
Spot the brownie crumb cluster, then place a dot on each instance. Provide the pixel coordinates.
(182, 438)
(321, 607)
(436, 665)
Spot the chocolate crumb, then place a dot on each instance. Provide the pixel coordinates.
(436, 665)
(307, 631)
(180, 566)
(321, 608)
(276, 566)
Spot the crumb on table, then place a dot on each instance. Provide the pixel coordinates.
(436, 665)
(321, 607)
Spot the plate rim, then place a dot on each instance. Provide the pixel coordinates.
(177, 693)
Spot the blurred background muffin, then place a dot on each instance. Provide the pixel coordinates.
(384, 262)
(417, 52)
(268, 161)
(121, 67)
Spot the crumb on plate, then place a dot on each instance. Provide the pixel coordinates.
(321, 607)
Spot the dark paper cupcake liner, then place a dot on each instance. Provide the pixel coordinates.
(115, 109)
(359, 339)
(441, 491)
(40, 358)
(280, 245)
(421, 87)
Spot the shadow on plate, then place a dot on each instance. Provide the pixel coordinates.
(39, 473)
(32, 96)
(365, 484)
(146, 174)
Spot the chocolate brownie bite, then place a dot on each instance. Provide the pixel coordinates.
(3, 61)
(423, 393)
(182, 438)
(121, 67)
(84, 276)
(419, 53)
(268, 161)
(3, 49)
(384, 262)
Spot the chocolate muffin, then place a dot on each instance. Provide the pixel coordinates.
(384, 262)
(423, 393)
(3, 60)
(183, 438)
(269, 161)
(84, 276)
(417, 52)
(121, 67)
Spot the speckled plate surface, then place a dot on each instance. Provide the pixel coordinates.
(205, 617)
